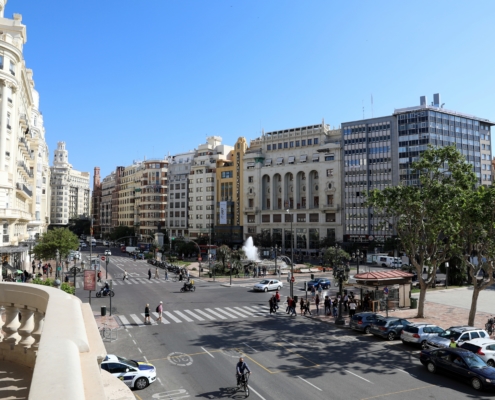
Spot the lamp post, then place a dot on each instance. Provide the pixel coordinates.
(275, 249)
(56, 264)
(358, 256)
(107, 261)
(291, 256)
(447, 275)
(341, 274)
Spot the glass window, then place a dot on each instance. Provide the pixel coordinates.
(315, 141)
(12, 67)
(309, 142)
(286, 145)
(1, 62)
(280, 145)
(268, 147)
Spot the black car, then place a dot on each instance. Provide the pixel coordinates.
(389, 328)
(459, 364)
(362, 321)
(323, 282)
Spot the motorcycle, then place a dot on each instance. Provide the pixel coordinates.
(110, 293)
(187, 288)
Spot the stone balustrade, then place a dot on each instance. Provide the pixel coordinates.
(56, 335)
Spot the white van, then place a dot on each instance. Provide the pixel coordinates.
(389, 262)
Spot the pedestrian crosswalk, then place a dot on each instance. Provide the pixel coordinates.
(129, 281)
(194, 315)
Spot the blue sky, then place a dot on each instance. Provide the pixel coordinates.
(123, 80)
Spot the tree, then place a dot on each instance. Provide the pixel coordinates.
(427, 217)
(477, 241)
(223, 255)
(61, 239)
(237, 256)
(335, 256)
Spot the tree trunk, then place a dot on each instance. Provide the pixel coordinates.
(421, 302)
(474, 304)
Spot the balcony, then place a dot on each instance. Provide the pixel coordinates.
(15, 213)
(45, 329)
(332, 207)
(23, 167)
(25, 148)
(23, 188)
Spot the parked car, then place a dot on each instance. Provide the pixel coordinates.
(459, 364)
(362, 321)
(460, 334)
(419, 334)
(324, 282)
(83, 245)
(268, 284)
(484, 348)
(136, 374)
(389, 328)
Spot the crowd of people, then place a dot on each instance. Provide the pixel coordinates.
(331, 306)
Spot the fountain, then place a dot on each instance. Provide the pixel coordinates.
(253, 258)
(250, 249)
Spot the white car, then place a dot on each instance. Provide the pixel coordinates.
(484, 348)
(108, 253)
(83, 245)
(135, 374)
(268, 284)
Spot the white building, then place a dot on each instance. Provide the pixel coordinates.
(24, 170)
(298, 170)
(107, 189)
(70, 189)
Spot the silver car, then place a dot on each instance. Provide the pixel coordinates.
(268, 284)
(460, 334)
(419, 334)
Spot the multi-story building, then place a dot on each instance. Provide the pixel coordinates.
(69, 189)
(151, 197)
(96, 203)
(378, 152)
(107, 190)
(202, 185)
(129, 179)
(230, 195)
(178, 190)
(293, 175)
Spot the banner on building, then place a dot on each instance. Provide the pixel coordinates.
(223, 212)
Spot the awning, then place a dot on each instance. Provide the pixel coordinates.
(303, 158)
(316, 157)
(280, 160)
(268, 162)
(291, 159)
(13, 249)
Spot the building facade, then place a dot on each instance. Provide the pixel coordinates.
(96, 203)
(69, 189)
(107, 190)
(293, 175)
(378, 152)
(128, 180)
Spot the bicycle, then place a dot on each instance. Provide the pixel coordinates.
(243, 381)
(105, 332)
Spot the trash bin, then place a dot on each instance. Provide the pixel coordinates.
(295, 299)
(312, 277)
(414, 303)
(103, 311)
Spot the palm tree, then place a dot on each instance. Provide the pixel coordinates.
(223, 255)
(237, 256)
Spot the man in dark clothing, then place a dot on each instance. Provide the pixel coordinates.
(149, 274)
(239, 370)
(327, 305)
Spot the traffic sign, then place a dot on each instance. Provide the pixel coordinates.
(385, 290)
(292, 279)
(102, 258)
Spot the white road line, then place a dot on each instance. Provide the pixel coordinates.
(225, 312)
(357, 376)
(236, 312)
(245, 344)
(292, 344)
(215, 313)
(134, 341)
(125, 321)
(151, 323)
(245, 312)
(164, 321)
(138, 320)
(194, 315)
(145, 359)
(309, 383)
(183, 316)
(255, 392)
(172, 317)
(255, 310)
(139, 350)
(206, 315)
(207, 352)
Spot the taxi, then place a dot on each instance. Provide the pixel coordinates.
(135, 374)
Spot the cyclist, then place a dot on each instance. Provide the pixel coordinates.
(106, 288)
(239, 370)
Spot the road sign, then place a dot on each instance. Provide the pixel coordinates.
(102, 258)
(292, 279)
(385, 290)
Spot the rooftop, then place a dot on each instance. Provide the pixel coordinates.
(383, 275)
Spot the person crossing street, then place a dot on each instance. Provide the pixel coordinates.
(149, 274)
(156, 273)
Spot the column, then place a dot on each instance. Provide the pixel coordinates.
(39, 319)
(26, 328)
(11, 324)
(3, 125)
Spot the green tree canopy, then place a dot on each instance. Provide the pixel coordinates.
(61, 239)
(335, 256)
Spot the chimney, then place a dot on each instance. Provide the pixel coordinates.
(423, 101)
(436, 99)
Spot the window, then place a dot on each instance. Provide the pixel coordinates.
(250, 219)
(265, 218)
(1, 62)
(280, 145)
(12, 67)
(330, 217)
(303, 142)
(268, 147)
(309, 142)
(286, 145)
(329, 157)
(297, 143)
(227, 174)
(329, 172)
(250, 179)
(277, 218)
(250, 203)
(313, 217)
(301, 217)
(291, 144)
(291, 159)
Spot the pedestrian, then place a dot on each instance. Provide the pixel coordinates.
(313, 291)
(147, 314)
(301, 306)
(125, 275)
(159, 310)
(326, 303)
(33, 265)
(39, 266)
(180, 276)
(271, 303)
(277, 299)
(66, 278)
(166, 274)
(452, 343)
(50, 270)
(156, 273)
(352, 308)
(335, 308)
(293, 307)
(307, 307)
(288, 310)
(187, 274)
(99, 276)
(317, 304)
(149, 274)
(346, 301)
(320, 289)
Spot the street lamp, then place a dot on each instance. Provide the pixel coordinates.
(107, 261)
(341, 274)
(358, 256)
(56, 264)
(291, 256)
(447, 275)
(275, 249)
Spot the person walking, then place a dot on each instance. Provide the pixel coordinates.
(326, 303)
(277, 299)
(271, 302)
(39, 266)
(125, 275)
(33, 265)
(288, 310)
(156, 273)
(335, 308)
(159, 310)
(320, 290)
(99, 276)
(307, 307)
(352, 308)
(147, 314)
(166, 274)
(313, 292)
(149, 274)
(292, 308)
(301, 306)
(317, 304)
(346, 301)
(50, 270)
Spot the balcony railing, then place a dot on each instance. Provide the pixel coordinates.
(46, 329)
(24, 188)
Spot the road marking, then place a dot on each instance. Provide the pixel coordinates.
(173, 317)
(126, 322)
(309, 383)
(145, 359)
(134, 341)
(250, 314)
(402, 391)
(164, 321)
(215, 313)
(255, 392)
(203, 313)
(151, 321)
(250, 347)
(139, 350)
(207, 352)
(183, 316)
(126, 281)
(139, 321)
(194, 315)
(236, 312)
(225, 312)
(360, 377)
(256, 311)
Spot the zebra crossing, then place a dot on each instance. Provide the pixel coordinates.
(129, 281)
(194, 315)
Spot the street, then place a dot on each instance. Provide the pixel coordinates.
(203, 333)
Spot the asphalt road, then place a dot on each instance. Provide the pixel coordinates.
(291, 357)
